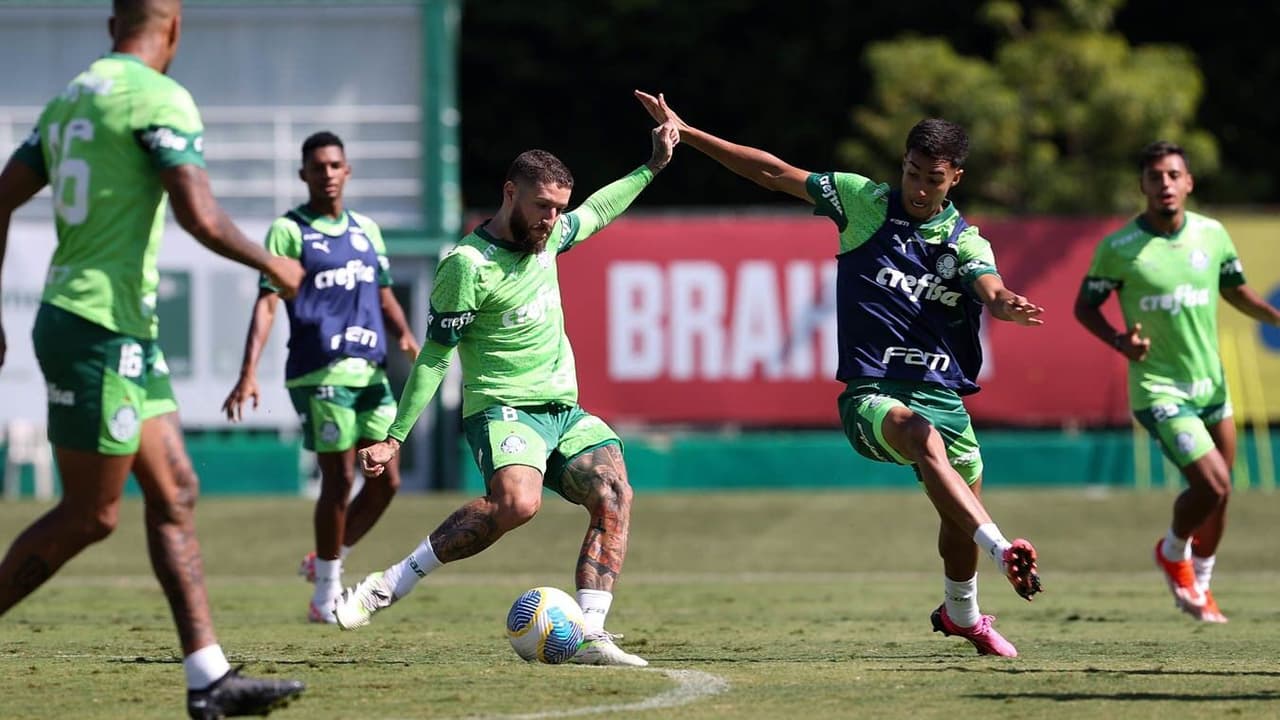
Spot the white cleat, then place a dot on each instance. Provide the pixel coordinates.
(356, 606)
(598, 648)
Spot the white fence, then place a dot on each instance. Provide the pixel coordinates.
(253, 154)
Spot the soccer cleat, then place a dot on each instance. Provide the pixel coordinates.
(1181, 579)
(233, 695)
(356, 605)
(1019, 563)
(1211, 613)
(316, 615)
(307, 568)
(598, 648)
(983, 635)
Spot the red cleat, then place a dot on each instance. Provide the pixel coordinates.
(1181, 579)
(1019, 562)
(307, 568)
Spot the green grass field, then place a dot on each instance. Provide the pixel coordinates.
(747, 606)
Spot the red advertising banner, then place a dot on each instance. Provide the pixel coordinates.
(731, 319)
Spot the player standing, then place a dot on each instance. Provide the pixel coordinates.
(337, 354)
(497, 300)
(1168, 266)
(912, 279)
(119, 137)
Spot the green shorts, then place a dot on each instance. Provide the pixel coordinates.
(1182, 427)
(865, 403)
(335, 416)
(546, 437)
(101, 384)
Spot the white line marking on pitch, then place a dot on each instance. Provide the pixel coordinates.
(691, 686)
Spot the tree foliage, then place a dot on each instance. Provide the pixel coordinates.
(1056, 115)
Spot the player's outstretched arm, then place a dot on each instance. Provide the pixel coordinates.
(758, 166)
(196, 210)
(1005, 304)
(421, 386)
(606, 204)
(18, 184)
(246, 388)
(1240, 297)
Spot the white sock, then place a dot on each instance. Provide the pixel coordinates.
(205, 666)
(404, 575)
(1174, 548)
(1204, 570)
(344, 552)
(595, 608)
(961, 599)
(992, 543)
(328, 583)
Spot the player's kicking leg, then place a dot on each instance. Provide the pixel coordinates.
(514, 497)
(958, 614)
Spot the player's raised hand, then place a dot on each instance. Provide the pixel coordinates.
(665, 138)
(245, 390)
(374, 458)
(286, 274)
(1132, 345)
(658, 109)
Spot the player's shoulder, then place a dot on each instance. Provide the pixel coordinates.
(286, 223)
(972, 235)
(1129, 233)
(365, 222)
(852, 183)
(470, 254)
(1204, 224)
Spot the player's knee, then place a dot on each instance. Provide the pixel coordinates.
(915, 438)
(516, 510)
(94, 524)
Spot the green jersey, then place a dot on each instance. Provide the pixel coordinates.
(1170, 284)
(101, 145)
(500, 307)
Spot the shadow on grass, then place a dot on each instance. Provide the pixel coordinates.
(1268, 695)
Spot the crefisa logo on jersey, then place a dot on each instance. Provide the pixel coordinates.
(946, 266)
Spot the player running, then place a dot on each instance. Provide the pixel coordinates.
(912, 280)
(1168, 266)
(337, 354)
(119, 137)
(497, 300)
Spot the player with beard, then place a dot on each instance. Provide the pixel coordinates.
(1169, 266)
(496, 299)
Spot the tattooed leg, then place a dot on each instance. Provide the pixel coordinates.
(170, 486)
(515, 495)
(598, 481)
(86, 513)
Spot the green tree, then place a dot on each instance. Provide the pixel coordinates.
(1056, 117)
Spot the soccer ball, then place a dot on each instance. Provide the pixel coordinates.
(545, 624)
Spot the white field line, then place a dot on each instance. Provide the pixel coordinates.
(691, 686)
